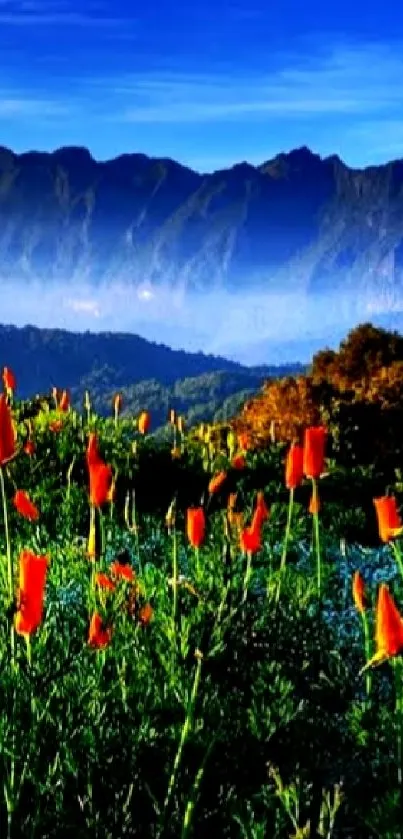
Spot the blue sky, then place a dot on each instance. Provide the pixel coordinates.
(208, 84)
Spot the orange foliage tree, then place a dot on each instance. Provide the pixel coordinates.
(357, 392)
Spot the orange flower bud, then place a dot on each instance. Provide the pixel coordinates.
(195, 526)
(294, 470)
(314, 451)
(359, 592)
(388, 516)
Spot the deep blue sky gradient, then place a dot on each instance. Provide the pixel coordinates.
(209, 84)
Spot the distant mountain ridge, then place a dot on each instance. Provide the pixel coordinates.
(298, 222)
(149, 375)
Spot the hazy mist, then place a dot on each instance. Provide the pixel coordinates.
(250, 327)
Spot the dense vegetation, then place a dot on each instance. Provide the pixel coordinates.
(198, 674)
(148, 375)
(356, 391)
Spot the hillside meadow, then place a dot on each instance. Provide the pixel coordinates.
(200, 635)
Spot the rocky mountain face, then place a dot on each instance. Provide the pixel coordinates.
(299, 222)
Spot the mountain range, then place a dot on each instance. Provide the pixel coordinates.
(297, 222)
(149, 376)
(256, 263)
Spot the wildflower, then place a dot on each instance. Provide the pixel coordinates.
(112, 491)
(261, 512)
(388, 517)
(117, 404)
(99, 634)
(144, 422)
(359, 596)
(196, 526)
(217, 482)
(250, 539)
(56, 426)
(29, 447)
(100, 483)
(122, 571)
(235, 519)
(314, 451)
(388, 628)
(92, 542)
(170, 516)
(9, 380)
(232, 500)
(64, 403)
(87, 401)
(172, 417)
(294, 470)
(25, 506)
(238, 462)
(146, 614)
(7, 432)
(100, 474)
(104, 582)
(32, 582)
(314, 504)
(92, 449)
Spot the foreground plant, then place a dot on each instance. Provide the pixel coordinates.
(294, 472)
(389, 646)
(313, 466)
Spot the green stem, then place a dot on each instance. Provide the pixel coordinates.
(174, 577)
(286, 541)
(248, 574)
(7, 535)
(192, 800)
(398, 556)
(186, 729)
(136, 533)
(397, 664)
(69, 474)
(367, 647)
(317, 537)
(10, 790)
(197, 558)
(102, 532)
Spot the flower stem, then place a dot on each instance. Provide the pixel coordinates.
(174, 576)
(397, 664)
(192, 800)
(136, 532)
(102, 533)
(7, 536)
(398, 556)
(367, 647)
(286, 541)
(186, 729)
(315, 517)
(248, 574)
(10, 789)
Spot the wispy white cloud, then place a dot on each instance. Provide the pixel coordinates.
(16, 107)
(363, 81)
(355, 90)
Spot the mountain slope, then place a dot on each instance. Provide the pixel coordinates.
(150, 376)
(297, 222)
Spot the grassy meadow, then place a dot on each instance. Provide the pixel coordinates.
(183, 630)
